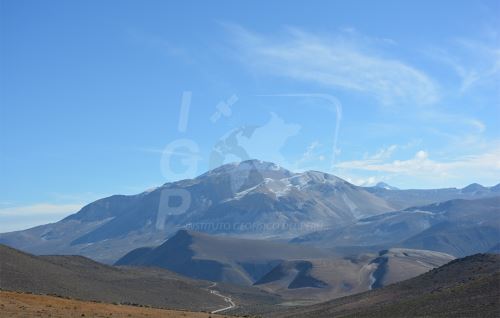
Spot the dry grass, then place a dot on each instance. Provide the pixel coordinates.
(28, 305)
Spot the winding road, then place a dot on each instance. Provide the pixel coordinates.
(227, 299)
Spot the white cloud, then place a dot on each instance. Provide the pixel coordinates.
(473, 167)
(363, 182)
(345, 61)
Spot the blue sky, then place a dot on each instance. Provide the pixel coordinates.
(105, 97)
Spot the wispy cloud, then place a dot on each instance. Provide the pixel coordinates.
(466, 125)
(383, 153)
(310, 154)
(474, 62)
(486, 65)
(346, 61)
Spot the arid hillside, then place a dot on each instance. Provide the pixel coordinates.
(15, 305)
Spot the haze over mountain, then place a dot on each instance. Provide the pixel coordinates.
(457, 227)
(401, 199)
(250, 199)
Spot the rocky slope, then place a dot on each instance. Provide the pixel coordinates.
(81, 278)
(467, 287)
(323, 279)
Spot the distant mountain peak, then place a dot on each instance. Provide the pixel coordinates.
(247, 165)
(473, 187)
(383, 185)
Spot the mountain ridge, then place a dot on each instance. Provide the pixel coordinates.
(254, 199)
(458, 227)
